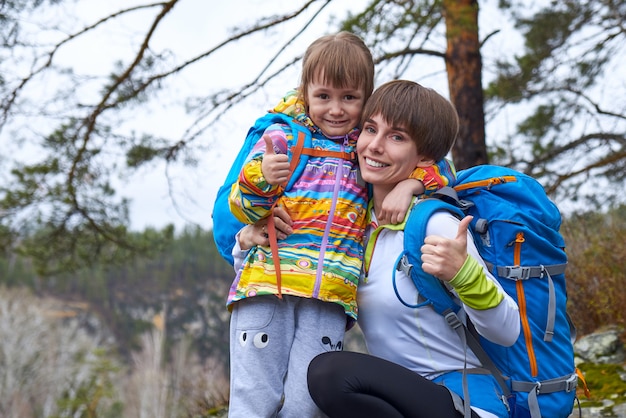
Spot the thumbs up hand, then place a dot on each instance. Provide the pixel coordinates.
(275, 167)
(443, 257)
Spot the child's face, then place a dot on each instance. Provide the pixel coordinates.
(387, 154)
(336, 111)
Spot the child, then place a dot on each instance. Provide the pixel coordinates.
(416, 361)
(274, 338)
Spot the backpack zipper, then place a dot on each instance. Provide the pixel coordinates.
(521, 301)
(487, 183)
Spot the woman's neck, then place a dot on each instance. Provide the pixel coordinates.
(379, 192)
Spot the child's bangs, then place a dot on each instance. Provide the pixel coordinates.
(342, 76)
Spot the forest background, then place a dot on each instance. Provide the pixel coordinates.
(110, 111)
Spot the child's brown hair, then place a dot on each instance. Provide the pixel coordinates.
(342, 59)
(430, 119)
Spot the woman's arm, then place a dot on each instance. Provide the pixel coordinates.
(449, 253)
(256, 234)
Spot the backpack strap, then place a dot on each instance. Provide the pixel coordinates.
(301, 147)
(430, 289)
(564, 383)
(296, 152)
(314, 152)
(474, 342)
(536, 272)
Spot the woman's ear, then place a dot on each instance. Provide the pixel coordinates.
(425, 162)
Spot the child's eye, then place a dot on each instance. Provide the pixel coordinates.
(323, 96)
(369, 129)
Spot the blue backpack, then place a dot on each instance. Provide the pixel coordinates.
(516, 230)
(225, 225)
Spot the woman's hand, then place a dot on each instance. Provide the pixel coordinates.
(256, 234)
(444, 257)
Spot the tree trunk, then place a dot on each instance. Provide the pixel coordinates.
(464, 67)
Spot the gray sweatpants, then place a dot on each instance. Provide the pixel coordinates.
(272, 342)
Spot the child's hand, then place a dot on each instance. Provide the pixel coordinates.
(275, 167)
(397, 203)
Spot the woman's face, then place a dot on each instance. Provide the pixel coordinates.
(336, 111)
(387, 155)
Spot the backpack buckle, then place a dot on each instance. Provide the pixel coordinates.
(571, 383)
(517, 272)
(404, 265)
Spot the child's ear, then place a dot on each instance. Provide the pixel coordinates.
(425, 162)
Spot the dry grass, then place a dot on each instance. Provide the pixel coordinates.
(596, 273)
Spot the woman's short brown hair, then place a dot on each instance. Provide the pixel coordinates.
(342, 59)
(428, 118)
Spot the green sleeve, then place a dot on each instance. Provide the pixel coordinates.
(473, 287)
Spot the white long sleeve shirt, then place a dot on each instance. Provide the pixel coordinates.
(420, 339)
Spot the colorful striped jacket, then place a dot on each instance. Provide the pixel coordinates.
(328, 206)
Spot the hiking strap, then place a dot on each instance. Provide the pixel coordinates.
(445, 306)
(314, 152)
(468, 336)
(563, 383)
(455, 323)
(296, 152)
(525, 272)
(531, 272)
(478, 350)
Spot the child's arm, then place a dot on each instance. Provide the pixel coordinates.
(422, 180)
(397, 203)
(259, 184)
(436, 176)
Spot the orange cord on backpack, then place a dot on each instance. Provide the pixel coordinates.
(585, 388)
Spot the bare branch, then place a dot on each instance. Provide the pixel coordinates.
(8, 103)
(92, 118)
(588, 168)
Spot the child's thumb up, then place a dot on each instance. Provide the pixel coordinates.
(269, 145)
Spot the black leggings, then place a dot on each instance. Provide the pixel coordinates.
(347, 384)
